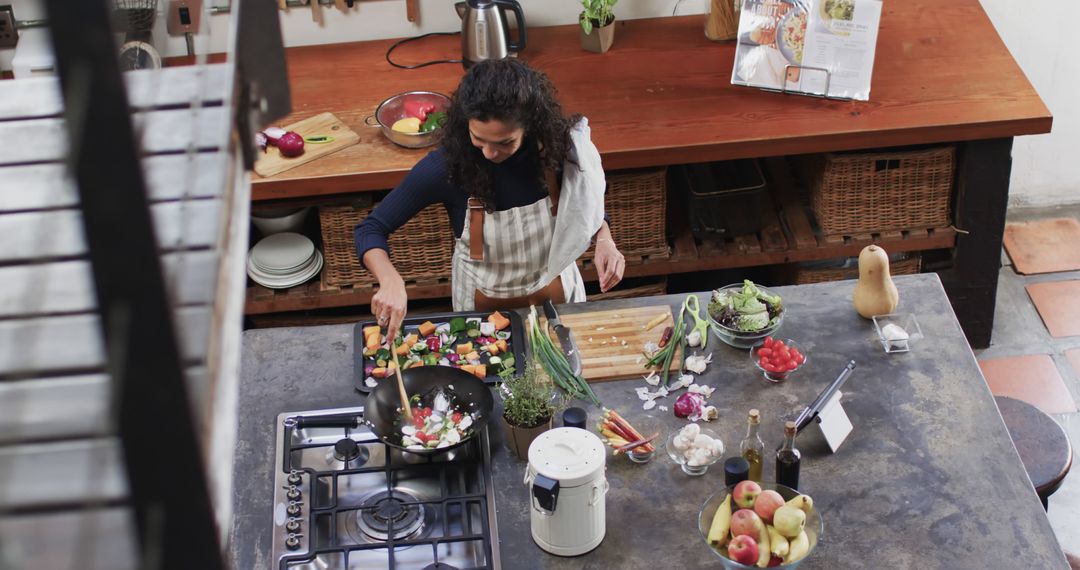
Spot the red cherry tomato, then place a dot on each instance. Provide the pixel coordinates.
(800, 358)
(768, 342)
(778, 344)
(792, 364)
(456, 417)
(765, 351)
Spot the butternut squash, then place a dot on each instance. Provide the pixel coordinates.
(875, 292)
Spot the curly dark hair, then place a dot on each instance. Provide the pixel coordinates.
(506, 90)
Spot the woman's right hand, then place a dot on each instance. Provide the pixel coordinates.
(389, 306)
(389, 303)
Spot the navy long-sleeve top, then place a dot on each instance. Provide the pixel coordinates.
(515, 180)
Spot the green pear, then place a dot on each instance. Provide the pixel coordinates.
(789, 521)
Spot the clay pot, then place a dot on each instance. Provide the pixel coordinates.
(600, 40)
(519, 438)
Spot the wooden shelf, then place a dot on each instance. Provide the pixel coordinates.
(772, 246)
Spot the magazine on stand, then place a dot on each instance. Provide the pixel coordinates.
(813, 47)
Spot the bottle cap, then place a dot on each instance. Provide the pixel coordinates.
(574, 417)
(736, 469)
(754, 416)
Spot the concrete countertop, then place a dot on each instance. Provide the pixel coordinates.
(928, 478)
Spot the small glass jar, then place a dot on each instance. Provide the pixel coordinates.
(722, 19)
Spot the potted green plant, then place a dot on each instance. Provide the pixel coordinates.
(597, 25)
(528, 408)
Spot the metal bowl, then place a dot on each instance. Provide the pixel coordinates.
(393, 109)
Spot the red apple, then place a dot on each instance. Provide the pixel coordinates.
(745, 493)
(743, 549)
(746, 522)
(775, 560)
(767, 503)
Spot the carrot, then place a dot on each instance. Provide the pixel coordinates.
(427, 328)
(500, 321)
(614, 417)
(643, 443)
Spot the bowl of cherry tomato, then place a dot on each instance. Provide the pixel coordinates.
(777, 358)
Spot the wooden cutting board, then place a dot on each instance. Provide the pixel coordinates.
(271, 162)
(606, 357)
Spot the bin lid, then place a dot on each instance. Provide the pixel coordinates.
(571, 456)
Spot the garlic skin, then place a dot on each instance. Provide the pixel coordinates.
(694, 338)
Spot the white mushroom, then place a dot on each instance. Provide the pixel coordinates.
(465, 423)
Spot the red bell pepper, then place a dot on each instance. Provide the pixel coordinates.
(419, 109)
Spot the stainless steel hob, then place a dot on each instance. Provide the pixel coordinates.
(345, 500)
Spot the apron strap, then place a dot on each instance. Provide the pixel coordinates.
(476, 216)
(476, 229)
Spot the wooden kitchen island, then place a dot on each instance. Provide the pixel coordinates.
(663, 96)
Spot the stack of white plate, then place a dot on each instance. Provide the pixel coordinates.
(283, 260)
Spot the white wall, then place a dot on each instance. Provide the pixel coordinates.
(1043, 166)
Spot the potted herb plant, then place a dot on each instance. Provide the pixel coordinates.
(597, 25)
(528, 408)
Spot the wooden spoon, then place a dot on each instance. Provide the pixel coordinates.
(400, 383)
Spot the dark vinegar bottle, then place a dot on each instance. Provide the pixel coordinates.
(787, 459)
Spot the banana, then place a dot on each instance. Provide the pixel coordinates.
(800, 546)
(802, 502)
(778, 544)
(763, 547)
(721, 523)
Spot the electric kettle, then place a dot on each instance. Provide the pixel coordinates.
(484, 31)
(567, 490)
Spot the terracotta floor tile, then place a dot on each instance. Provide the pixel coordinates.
(1073, 355)
(1033, 379)
(1044, 246)
(1058, 303)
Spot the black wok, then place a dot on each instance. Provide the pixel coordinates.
(470, 395)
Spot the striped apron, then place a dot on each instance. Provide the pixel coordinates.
(515, 253)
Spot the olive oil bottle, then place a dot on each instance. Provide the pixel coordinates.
(788, 458)
(752, 447)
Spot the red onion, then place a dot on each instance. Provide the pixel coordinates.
(273, 134)
(688, 404)
(290, 144)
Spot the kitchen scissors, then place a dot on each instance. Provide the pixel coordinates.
(692, 306)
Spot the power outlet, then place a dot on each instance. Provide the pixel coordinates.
(9, 38)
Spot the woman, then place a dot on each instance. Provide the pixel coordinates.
(524, 189)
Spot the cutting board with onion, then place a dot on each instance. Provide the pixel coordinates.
(324, 124)
(618, 338)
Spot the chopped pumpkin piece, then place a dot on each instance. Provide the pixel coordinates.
(471, 369)
(480, 371)
(411, 339)
(501, 343)
(402, 349)
(380, 372)
(373, 329)
(497, 319)
(427, 328)
(472, 356)
(373, 342)
(464, 348)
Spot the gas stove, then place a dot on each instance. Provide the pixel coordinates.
(345, 500)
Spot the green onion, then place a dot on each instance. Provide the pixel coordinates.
(554, 362)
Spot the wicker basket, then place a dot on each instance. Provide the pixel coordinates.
(420, 250)
(636, 204)
(640, 288)
(910, 265)
(882, 191)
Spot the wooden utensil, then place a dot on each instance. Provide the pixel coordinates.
(325, 124)
(606, 359)
(412, 10)
(400, 383)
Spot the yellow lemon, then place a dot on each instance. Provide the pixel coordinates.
(407, 125)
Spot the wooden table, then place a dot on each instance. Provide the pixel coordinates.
(928, 478)
(663, 96)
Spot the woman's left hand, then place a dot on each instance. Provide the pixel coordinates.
(610, 264)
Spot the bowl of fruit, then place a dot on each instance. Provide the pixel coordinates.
(777, 358)
(752, 525)
(743, 314)
(411, 119)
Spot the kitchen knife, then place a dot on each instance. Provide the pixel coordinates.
(566, 337)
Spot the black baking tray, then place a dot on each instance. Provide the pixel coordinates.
(516, 341)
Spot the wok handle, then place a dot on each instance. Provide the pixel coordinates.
(326, 421)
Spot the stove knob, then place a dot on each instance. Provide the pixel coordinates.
(294, 477)
(292, 542)
(293, 509)
(293, 494)
(293, 525)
